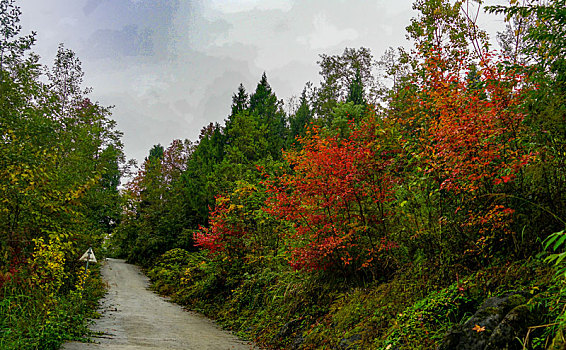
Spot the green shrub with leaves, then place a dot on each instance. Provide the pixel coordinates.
(32, 318)
(556, 244)
(169, 270)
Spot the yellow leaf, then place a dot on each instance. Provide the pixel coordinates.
(478, 328)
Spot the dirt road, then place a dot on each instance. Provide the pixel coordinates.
(135, 318)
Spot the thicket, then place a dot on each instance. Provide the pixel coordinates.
(384, 209)
(60, 166)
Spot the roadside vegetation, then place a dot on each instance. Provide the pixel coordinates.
(60, 165)
(410, 202)
(415, 201)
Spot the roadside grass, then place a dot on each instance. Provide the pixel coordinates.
(412, 309)
(32, 319)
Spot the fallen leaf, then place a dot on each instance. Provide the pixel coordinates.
(478, 328)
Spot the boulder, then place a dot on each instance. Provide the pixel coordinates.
(497, 324)
(514, 326)
(350, 343)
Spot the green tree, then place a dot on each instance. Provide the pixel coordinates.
(60, 162)
(356, 90)
(543, 40)
(248, 140)
(300, 121)
(395, 64)
(240, 101)
(268, 110)
(156, 218)
(155, 153)
(66, 78)
(13, 46)
(446, 25)
(338, 74)
(199, 179)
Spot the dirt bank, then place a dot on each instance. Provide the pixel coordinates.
(135, 318)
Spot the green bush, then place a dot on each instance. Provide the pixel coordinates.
(30, 319)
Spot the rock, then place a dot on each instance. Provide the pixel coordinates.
(512, 328)
(288, 329)
(492, 325)
(297, 342)
(350, 343)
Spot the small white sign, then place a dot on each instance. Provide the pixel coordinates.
(88, 256)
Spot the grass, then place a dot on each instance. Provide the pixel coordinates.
(31, 320)
(411, 309)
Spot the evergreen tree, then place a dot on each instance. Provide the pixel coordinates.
(155, 153)
(240, 101)
(259, 100)
(200, 179)
(339, 73)
(265, 106)
(301, 120)
(356, 90)
(248, 140)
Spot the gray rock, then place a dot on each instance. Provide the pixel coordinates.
(288, 329)
(512, 328)
(350, 343)
(496, 325)
(297, 342)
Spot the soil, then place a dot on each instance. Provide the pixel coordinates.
(133, 317)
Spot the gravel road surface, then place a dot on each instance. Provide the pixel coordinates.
(135, 318)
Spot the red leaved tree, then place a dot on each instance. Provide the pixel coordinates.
(226, 229)
(335, 198)
(471, 142)
(239, 230)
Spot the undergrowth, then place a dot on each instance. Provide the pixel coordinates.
(413, 309)
(33, 319)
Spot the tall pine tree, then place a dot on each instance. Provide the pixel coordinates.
(356, 90)
(240, 101)
(300, 121)
(268, 109)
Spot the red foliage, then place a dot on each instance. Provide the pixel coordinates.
(234, 217)
(471, 138)
(334, 197)
(473, 132)
(225, 231)
(13, 269)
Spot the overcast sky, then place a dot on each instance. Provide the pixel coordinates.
(171, 66)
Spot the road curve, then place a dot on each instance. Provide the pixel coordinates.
(135, 318)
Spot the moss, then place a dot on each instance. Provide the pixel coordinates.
(514, 326)
(516, 300)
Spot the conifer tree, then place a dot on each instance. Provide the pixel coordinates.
(240, 101)
(356, 90)
(268, 109)
(301, 120)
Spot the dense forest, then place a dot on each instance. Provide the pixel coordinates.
(413, 201)
(400, 196)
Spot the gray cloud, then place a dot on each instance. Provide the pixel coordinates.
(129, 41)
(90, 6)
(145, 13)
(171, 66)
